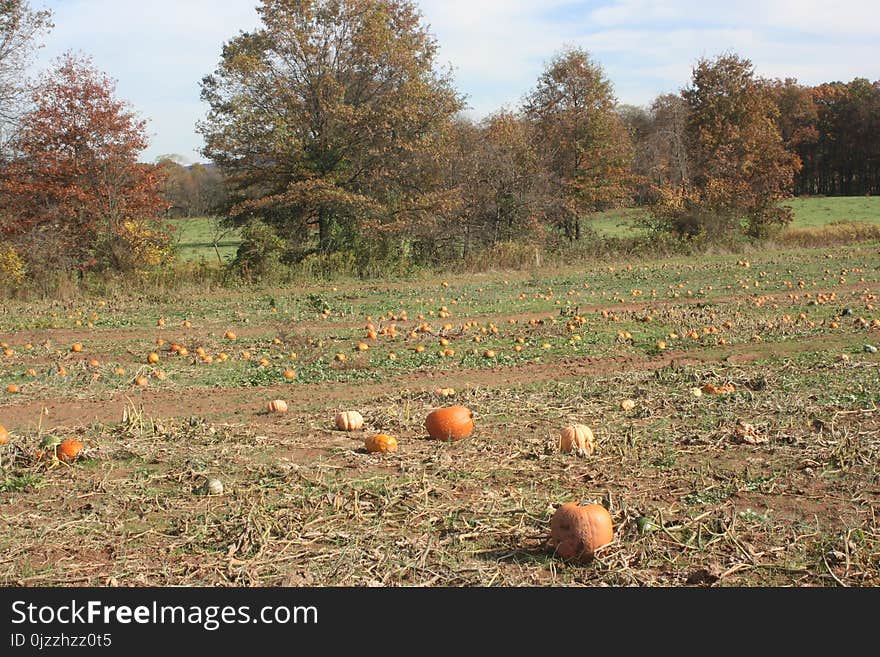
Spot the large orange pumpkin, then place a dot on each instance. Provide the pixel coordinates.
(69, 449)
(578, 531)
(4, 435)
(450, 424)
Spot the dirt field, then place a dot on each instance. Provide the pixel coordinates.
(775, 483)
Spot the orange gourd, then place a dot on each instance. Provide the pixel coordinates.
(69, 449)
(450, 424)
(577, 532)
(577, 438)
(381, 443)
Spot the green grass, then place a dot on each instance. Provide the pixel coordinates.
(808, 213)
(821, 211)
(620, 222)
(195, 239)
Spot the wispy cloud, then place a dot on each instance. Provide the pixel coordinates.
(158, 50)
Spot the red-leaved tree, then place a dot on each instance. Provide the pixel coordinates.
(75, 195)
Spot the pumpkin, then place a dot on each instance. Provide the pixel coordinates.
(627, 405)
(381, 443)
(76, 348)
(349, 421)
(4, 435)
(12, 389)
(229, 335)
(277, 406)
(289, 374)
(153, 358)
(141, 381)
(450, 424)
(69, 449)
(577, 438)
(576, 532)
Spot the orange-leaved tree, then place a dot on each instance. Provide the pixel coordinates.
(73, 195)
(739, 167)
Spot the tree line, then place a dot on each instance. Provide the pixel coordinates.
(335, 137)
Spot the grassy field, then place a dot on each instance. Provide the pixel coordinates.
(820, 211)
(195, 236)
(808, 213)
(773, 483)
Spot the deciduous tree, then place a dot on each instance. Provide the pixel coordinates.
(75, 186)
(318, 117)
(739, 166)
(20, 26)
(585, 142)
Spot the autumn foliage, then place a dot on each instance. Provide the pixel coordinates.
(339, 145)
(74, 196)
(739, 168)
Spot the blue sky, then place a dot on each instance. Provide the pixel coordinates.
(158, 50)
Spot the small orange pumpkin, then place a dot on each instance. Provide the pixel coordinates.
(577, 438)
(12, 389)
(69, 449)
(76, 348)
(277, 406)
(381, 443)
(153, 358)
(452, 423)
(578, 531)
(349, 421)
(4, 435)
